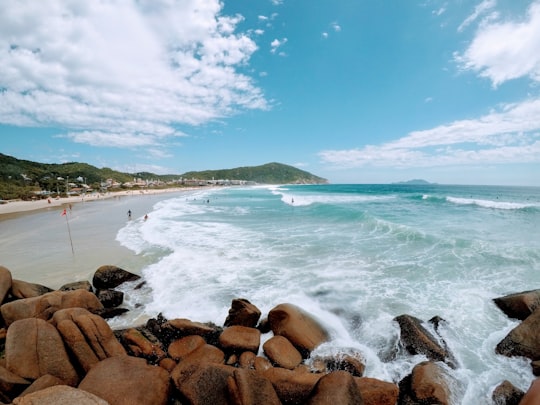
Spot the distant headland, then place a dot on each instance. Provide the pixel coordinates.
(415, 182)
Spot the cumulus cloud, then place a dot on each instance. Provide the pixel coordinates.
(276, 44)
(122, 73)
(502, 51)
(508, 135)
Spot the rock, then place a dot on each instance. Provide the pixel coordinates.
(89, 338)
(11, 384)
(184, 327)
(110, 298)
(203, 383)
(46, 305)
(535, 365)
(242, 313)
(519, 305)
(262, 364)
(5, 283)
(282, 353)
(45, 381)
(428, 383)
(337, 387)
(21, 289)
(292, 386)
(349, 360)
(239, 339)
(180, 348)
(108, 313)
(107, 277)
(34, 348)
(77, 285)
(247, 387)
(247, 360)
(142, 343)
(507, 394)
(302, 330)
(532, 396)
(377, 392)
(418, 340)
(167, 364)
(523, 339)
(60, 395)
(126, 380)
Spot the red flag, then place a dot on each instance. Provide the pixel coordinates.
(64, 213)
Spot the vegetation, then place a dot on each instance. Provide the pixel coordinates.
(26, 179)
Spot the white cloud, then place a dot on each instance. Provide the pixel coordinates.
(479, 10)
(502, 51)
(510, 135)
(122, 73)
(324, 35)
(276, 44)
(336, 27)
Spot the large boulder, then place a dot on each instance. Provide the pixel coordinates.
(338, 387)
(126, 380)
(110, 298)
(292, 386)
(5, 283)
(89, 337)
(377, 392)
(180, 348)
(282, 352)
(141, 343)
(11, 384)
(507, 394)
(77, 285)
(181, 327)
(302, 330)
(46, 305)
(418, 340)
(350, 360)
(60, 395)
(45, 381)
(532, 396)
(22, 289)
(247, 387)
(523, 339)
(237, 339)
(34, 348)
(428, 383)
(519, 305)
(242, 313)
(107, 277)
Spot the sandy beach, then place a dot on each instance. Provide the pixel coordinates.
(39, 244)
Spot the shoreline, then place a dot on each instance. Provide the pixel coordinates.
(15, 208)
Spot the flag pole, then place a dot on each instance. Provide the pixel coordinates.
(69, 231)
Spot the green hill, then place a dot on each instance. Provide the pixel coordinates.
(270, 173)
(23, 178)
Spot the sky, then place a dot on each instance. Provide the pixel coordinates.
(355, 91)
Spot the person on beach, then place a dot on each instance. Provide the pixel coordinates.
(129, 214)
(146, 217)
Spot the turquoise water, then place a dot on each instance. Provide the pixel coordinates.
(355, 256)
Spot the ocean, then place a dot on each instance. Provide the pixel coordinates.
(354, 256)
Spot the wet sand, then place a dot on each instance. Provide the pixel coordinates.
(36, 240)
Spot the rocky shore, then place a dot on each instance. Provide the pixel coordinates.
(59, 349)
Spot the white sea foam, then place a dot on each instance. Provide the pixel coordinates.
(501, 205)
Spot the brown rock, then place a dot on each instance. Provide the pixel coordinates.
(45, 381)
(60, 395)
(418, 340)
(247, 360)
(281, 352)
(377, 392)
(247, 387)
(108, 276)
(167, 364)
(262, 364)
(11, 384)
(77, 285)
(428, 383)
(5, 283)
(34, 348)
(185, 327)
(240, 338)
(519, 305)
(204, 354)
(507, 394)
(292, 387)
(110, 298)
(143, 345)
(242, 313)
(349, 360)
(523, 339)
(126, 380)
(182, 347)
(302, 330)
(22, 289)
(46, 305)
(338, 387)
(203, 383)
(532, 396)
(535, 365)
(88, 336)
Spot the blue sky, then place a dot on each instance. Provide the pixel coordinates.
(353, 91)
